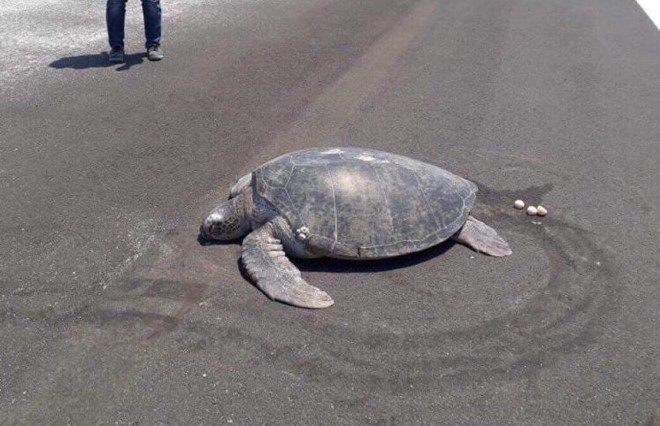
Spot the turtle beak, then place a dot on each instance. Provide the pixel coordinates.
(206, 230)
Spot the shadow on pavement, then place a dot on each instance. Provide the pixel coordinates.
(326, 264)
(203, 241)
(97, 61)
(379, 265)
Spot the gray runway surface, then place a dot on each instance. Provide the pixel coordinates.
(113, 312)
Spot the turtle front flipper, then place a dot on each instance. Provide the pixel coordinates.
(482, 238)
(269, 268)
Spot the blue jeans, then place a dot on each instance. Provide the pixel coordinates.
(116, 11)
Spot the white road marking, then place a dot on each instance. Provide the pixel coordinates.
(652, 8)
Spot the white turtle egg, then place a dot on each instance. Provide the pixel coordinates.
(541, 211)
(531, 210)
(519, 204)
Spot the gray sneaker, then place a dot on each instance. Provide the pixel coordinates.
(154, 53)
(116, 55)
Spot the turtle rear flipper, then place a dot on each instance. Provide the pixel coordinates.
(269, 268)
(482, 238)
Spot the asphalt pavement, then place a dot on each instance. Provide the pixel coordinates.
(113, 312)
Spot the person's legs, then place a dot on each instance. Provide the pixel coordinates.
(152, 19)
(115, 12)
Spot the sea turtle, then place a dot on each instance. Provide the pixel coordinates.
(347, 203)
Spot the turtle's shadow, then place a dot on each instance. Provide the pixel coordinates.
(365, 266)
(203, 241)
(326, 264)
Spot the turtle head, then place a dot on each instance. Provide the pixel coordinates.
(227, 221)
